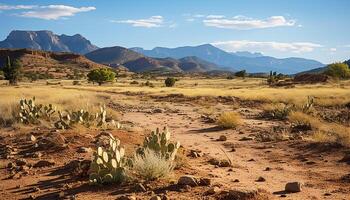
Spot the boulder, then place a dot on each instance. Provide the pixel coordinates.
(187, 180)
(293, 187)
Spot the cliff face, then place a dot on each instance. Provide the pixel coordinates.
(48, 41)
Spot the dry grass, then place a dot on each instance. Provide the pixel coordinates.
(300, 118)
(229, 120)
(151, 166)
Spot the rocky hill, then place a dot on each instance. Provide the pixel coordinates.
(48, 41)
(56, 65)
(136, 62)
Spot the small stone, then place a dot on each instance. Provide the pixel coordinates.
(212, 190)
(60, 195)
(32, 138)
(187, 180)
(236, 181)
(158, 110)
(267, 169)
(37, 155)
(36, 189)
(214, 161)
(155, 198)
(204, 181)
(283, 195)
(21, 162)
(222, 138)
(261, 179)
(327, 194)
(84, 150)
(224, 163)
(43, 163)
(32, 197)
(293, 187)
(165, 197)
(243, 194)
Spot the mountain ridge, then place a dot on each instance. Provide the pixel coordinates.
(47, 41)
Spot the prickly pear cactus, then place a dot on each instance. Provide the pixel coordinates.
(64, 121)
(109, 164)
(48, 111)
(29, 112)
(160, 143)
(82, 117)
(101, 116)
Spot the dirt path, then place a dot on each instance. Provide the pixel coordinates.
(277, 162)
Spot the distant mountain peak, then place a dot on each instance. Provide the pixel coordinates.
(47, 41)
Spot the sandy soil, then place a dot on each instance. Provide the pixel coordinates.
(278, 162)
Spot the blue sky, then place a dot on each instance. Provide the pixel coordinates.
(316, 29)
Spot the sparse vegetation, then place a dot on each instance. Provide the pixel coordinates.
(241, 74)
(229, 120)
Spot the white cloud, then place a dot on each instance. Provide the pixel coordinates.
(244, 23)
(215, 16)
(50, 12)
(152, 22)
(54, 12)
(17, 7)
(246, 45)
(333, 49)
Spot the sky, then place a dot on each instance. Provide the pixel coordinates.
(314, 29)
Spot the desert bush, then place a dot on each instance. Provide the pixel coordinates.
(9, 113)
(241, 74)
(277, 111)
(151, 165)
(170, 82)
(101, 75)
(333, 133)
(338, 70)
(229, 120)
(108, 165)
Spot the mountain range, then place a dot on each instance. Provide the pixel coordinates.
(253, 63)
(200, 58)
(48, 41)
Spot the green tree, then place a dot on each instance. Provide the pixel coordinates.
(12, 71)
(242, 74)
(170, 82)
(101, 75)
(338, 70)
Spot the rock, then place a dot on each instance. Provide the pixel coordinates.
(165, 197)
(157, 110)
(267, 169)
(212, 190)
(204, 181)
(236, 181)
(224, 163)
(195, 153)
(20, 162)
(187, 180)
(293, 187)
(346, 158)
(155, 198)
(32, 138)
(43, 163)
(35, 189)
(84, 150)
(222, 138)
(127, 197)
(261, 179)
(214, 161)
(140, 188)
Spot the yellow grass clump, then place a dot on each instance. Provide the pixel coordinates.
(300, 118)
(229, 120)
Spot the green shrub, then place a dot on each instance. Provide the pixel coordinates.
(12, 71)
(338, 70)
(101, 75)
(242, 74)
(170, 82)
